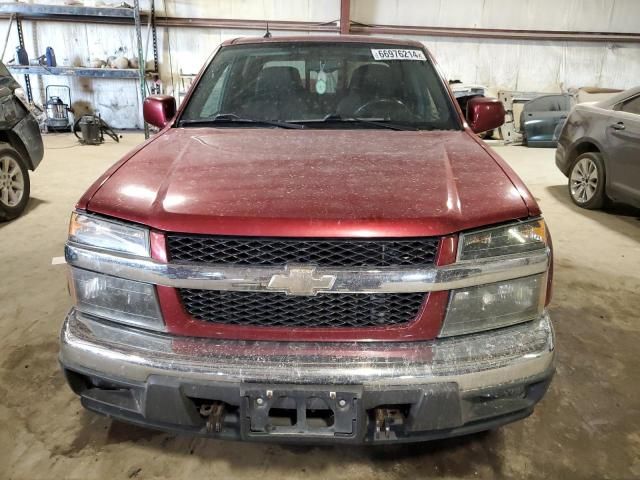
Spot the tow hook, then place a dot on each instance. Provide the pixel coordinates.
(385, 419)
(213, 412)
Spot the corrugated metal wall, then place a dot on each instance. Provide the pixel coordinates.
(545, 66)
(563, 15)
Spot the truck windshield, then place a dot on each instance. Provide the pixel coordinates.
(321, 85)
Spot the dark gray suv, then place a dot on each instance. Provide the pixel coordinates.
(21, 148)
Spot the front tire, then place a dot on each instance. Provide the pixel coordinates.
(14, 183)
(587, 180)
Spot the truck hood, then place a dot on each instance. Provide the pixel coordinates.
(314, 183)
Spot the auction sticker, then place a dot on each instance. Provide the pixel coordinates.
(397, 54)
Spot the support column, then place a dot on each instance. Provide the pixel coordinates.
(345, 20)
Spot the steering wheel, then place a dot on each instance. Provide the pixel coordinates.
(392, 102)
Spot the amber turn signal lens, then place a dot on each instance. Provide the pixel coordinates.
(521, 237)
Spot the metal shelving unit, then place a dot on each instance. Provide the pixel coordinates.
(32, 10)
(116, 15)
(130, 73)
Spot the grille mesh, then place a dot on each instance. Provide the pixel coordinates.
(321, 252)
(272, 309)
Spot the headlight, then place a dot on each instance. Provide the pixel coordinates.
(107, 234)
(518, 237)
(494, 305)
(117, 299)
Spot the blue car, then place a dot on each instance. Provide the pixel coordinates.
(542, 120)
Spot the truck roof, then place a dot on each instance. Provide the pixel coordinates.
(324, 39)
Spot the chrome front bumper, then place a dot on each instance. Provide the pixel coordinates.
(227, 389)
(472, 362)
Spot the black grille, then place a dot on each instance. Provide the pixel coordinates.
(321, 252)
(271, 309)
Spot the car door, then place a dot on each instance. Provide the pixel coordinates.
(541, 117)
(623, 151)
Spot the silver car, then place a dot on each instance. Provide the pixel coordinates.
(599, 151)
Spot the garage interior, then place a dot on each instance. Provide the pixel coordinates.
(587, 425)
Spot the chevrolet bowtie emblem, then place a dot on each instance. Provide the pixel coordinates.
(301, 280)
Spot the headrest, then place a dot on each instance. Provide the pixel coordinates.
(278, 80)
(372, 78)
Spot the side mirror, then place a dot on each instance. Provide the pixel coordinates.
(484, 114)
(158, 110)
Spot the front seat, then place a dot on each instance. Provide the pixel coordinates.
(278, 95)
(368, 82)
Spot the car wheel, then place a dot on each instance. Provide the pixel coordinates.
(586, 181)
(14, 183)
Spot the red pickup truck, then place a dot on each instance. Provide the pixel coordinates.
(315, 247)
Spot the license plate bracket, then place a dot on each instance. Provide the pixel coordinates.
(300, 411)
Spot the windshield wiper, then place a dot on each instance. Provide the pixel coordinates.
(337, 118)
(222, 118)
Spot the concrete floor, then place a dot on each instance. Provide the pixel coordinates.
(588, 425)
